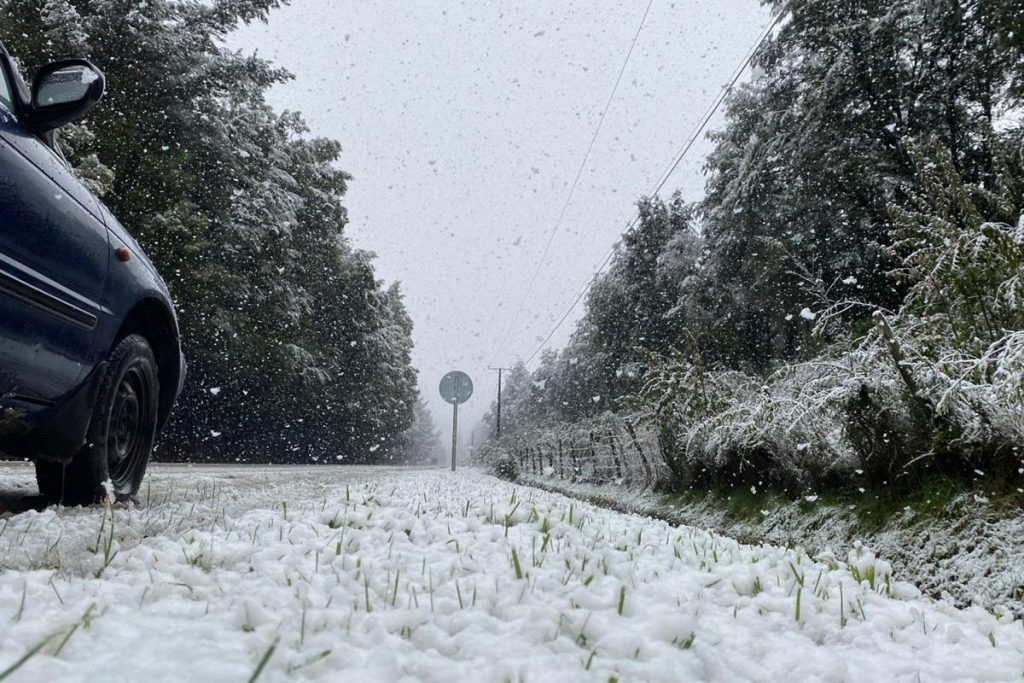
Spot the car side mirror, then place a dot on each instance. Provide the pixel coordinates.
(63, 92)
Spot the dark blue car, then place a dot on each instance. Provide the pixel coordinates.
(90, 361)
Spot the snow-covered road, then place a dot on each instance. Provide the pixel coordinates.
(369, 574)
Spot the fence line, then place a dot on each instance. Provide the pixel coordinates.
(608, 449)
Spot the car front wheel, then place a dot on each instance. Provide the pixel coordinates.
(121, 433)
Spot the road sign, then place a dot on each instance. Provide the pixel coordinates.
(456, 387)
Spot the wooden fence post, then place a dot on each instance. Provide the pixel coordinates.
(648, 471)
(593, 452)
(615, 455)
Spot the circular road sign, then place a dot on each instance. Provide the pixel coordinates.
(456, 387)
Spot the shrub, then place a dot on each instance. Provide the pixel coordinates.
(505, 466)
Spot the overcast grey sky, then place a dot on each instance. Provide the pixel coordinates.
(464, 124)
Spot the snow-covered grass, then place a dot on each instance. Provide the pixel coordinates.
(963, 546)
(366, 574)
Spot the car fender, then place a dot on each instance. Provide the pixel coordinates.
(139, 302)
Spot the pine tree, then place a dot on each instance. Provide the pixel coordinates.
(421, 442)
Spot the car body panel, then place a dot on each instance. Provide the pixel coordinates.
(54, 254)
(65, 298)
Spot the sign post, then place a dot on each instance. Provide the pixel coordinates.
(456, 387)
(455, 431)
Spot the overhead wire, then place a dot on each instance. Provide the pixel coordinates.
(586, 288)
(664, 177)
(579, 173)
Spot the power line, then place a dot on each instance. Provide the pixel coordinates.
(579, 173)
(677, 159)
(583, 293)
(723, 93)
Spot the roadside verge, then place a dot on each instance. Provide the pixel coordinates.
(967, 549)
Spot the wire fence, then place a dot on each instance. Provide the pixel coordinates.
(609, 449)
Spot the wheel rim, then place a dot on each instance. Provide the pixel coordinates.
(129, 415)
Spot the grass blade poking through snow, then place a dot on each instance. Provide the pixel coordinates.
(263, 662)
(842, 607)
(21, 606)
(83, 621)
(24, 658)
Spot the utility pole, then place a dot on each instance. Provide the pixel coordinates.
(500, 370)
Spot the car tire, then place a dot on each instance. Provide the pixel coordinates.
(121, 433)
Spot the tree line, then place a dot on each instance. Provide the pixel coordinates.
(845, 307)
(296, 351)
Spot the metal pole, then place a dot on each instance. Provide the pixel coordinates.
(455, 431)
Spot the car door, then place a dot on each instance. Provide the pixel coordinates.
(53, 262)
